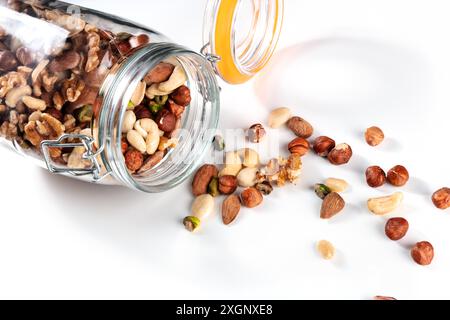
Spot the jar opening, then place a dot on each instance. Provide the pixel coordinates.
(244, 34)
(199, 119)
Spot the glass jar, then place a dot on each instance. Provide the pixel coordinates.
(93, 96)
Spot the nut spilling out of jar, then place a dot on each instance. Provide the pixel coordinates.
(47, 91)
(154, 115)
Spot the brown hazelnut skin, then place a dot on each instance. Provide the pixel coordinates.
(375, 176)
(251, 197)
(396, 228)
(323, 145)
(423, 253)
(228, 184)
(341, 154)
(441, 198)
(374, 136)
(398, 176)
(299, 146)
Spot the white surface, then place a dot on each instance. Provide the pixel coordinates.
(344, 65)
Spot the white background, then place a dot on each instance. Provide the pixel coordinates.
(343, 65)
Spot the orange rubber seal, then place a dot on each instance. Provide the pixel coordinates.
(223, 46)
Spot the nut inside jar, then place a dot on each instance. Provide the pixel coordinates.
(47, 91)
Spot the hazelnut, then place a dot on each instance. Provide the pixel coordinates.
(142, 112)
(323, 145)
(256, 133)
(341, 154)
(398, 176)
(396, 228)
(124, 145)
(251, 197)
(300, 127)
(374, 136)
(181, 96)
(166, 121)
(423, 253)
(228, 184)
(134, 160)
(441, 198)
(375, 176)
(299, 146)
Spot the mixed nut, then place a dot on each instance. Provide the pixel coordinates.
(242, 169)
(48, 92)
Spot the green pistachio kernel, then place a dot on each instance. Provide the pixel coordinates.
(130, 106)
(213, 187)
(191, 223)
(322, 190)
(161, 100)
(155, 108)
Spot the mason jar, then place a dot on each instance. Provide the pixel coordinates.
(92, 96)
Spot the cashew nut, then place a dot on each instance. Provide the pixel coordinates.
(138, 94)
(128, 121)
(247, 177)
(385, 205)
(154, 91)
(34, 104)
(136, 140)
(153, 138)
(140, 130)
(177, 79)
(15, 94)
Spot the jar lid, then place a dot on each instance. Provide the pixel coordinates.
(240, 36)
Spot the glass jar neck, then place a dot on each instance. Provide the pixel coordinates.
(198, 124)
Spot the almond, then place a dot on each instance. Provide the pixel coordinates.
(332, 205)
(230, 209)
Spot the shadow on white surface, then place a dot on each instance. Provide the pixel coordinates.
(338, 75)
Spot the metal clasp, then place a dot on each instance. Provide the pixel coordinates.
(85, 141)
(212, 58)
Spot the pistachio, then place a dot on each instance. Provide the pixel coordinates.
(322, 190)
(191, 223)
(139, 94)
(86, 114)
(213, 187)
